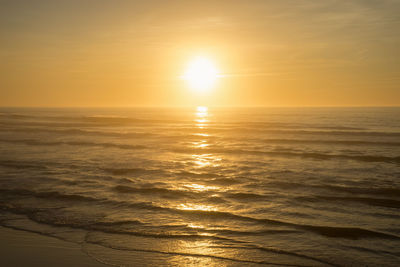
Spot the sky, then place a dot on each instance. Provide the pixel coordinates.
(81, 53)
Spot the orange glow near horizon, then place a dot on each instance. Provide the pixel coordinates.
(219, 53)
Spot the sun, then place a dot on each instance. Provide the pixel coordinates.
(201, 74)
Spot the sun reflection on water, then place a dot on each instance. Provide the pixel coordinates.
(200, 144)
(198, 207)
(191, 225)
(202, 134)
(199, 247)
(201, 117)
(202, 109)
(201, 158)
(200, 187)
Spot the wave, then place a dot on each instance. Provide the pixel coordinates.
(103, 244)
(224, 181)
(125, 227)
(127, 171)
(374, 251)
(297, 125)
(254, 233)
(14, 116)
(48, 124)
(246, 196)
(169, 193)
(305, 155)
(328, 231)
(119, 223)
(242, 261)
(84, 121)
(383, 191)
(185, 130)
(328, 142)
(163, 192)
(81, 132)
(22, 165)
(382, 202)
(285, 252)
(330, 133)
(33, 142)
(48, 195)
(297, 131)
(347, 232)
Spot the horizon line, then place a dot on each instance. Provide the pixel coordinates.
(212, 106)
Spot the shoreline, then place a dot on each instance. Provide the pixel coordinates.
(22, 248)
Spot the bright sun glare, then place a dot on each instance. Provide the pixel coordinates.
(201, 74)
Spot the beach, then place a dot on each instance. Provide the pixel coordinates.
(22, 248)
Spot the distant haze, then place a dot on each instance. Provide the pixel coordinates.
(132, 53)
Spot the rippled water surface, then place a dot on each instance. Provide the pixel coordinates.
(207, 187)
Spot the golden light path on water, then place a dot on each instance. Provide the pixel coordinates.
(201, 161)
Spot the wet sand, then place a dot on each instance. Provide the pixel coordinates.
(21, 248)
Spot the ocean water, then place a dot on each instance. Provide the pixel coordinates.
(207, 187)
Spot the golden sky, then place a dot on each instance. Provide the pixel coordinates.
(133, 53)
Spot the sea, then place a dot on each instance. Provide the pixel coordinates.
(207, 186)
